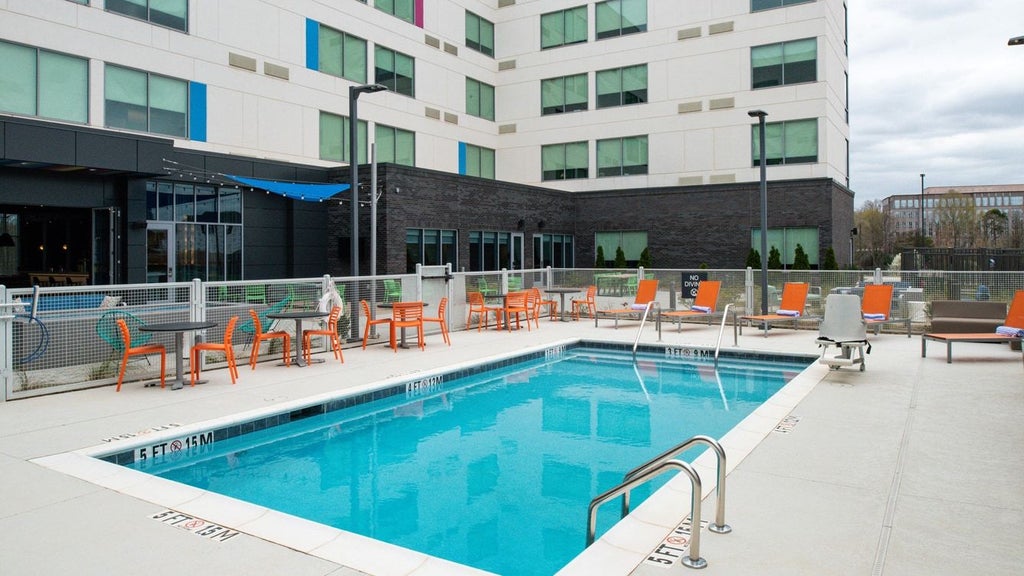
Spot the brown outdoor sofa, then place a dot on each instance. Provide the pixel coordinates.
(960, 316)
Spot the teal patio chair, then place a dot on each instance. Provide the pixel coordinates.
(249, 328)
(107, 329)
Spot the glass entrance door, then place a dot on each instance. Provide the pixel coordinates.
(159, 252)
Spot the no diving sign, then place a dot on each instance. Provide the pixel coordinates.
(691, 281)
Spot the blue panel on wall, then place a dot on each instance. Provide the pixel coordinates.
(312, 44)
(462, 157)
(197, 111)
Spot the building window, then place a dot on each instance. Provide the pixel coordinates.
(430, 248)
(401, 8)
(479, 99)
(622, 86)
(395, 145)
(42, 83)
(620, 17)
(565, 94)
(479, 34)
(207, 228)
(555, 250)
(564, 161)
(334, 138)
(632, 242)
(563, 27)
(494, 250)
(790, 142)
(758, 5)
(136, 100)
(169, 13)
(477, 161)
(394, 70)
(784, 63)
(622, 156)
(341, 55)
(786, 240)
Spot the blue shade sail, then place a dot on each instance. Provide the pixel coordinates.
(294, 190)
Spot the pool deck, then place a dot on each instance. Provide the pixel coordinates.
(914, 466)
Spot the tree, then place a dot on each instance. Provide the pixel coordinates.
(620, 258)
(645, 258)
(774, 259)
(994, 224)
(599, 259)
(830, 262)
(956, 221)
(875, 246)
(754, 259)
(800, 259)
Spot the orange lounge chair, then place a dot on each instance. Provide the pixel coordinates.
(791, 308)
(1012, 330)
(705, 303)
(876, 307)
(645, 292)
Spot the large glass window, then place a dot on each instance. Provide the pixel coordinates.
(790, 142)
(394, 70)
(786, 240)
(136, 100)
(565, 94)
(479, 99)
(622, 156)
(169, 13)
(342, 54)
(479, 162)
(208, 227)
(563, 27)
(632, 242)
(334, 138)
(758, 5)
(622, 86)
(494, 250)
(37, 82)
(430, 248)
(564, 161)
(479, 34)
(403, 9)
(555, 250)
(395, 145)
(784, 63)
(620, 17)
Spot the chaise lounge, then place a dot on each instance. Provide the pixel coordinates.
(1011, 331)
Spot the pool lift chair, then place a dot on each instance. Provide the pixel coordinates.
(844, 328)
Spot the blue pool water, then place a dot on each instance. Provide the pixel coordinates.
(493, 470)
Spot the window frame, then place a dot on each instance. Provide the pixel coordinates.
(781, 80)
(622, 29)
(397, 83)
(132, 10)
(565, 172)
(392, 155)
(565, 107)
(622, 168)
(477, 156)
(40, 93)
(484, 94)
(566, 16)
(343, 137)
(622, 97)
(447, 244)
(479, 24)
(780, 129)
(344, 62)
(774, 4)
(401, 9)
(149, 78)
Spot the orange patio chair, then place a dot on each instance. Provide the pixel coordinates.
(407, 315)
(441, 319)
(259, 336)
(1011, 331)
(516, 303)
(705, 303)
(646, 290)
(331, 332)
(588, 301)
(144, 350)
(195, 366)
(539, 302)
(791, 308)
(876, 305)
(370, 321)
(478, 306)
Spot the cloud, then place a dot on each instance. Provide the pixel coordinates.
(934, 89)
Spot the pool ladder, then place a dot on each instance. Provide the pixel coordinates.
(643, 320)
(655, 467)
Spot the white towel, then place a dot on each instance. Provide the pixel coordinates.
(638, 307)
(704, 309)
(782, 312)
(870, 316)
(1010, 331)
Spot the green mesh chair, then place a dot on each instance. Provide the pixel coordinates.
(392, 290)
(248, 328)
(107, 329)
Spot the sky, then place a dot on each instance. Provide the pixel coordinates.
(934, 89)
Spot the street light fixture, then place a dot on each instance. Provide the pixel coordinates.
(760, 115)
(353, 163)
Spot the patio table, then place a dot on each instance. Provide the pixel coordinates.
(179, 329)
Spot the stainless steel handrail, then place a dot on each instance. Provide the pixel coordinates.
(693, 560)
(718, 345)
(643, 320)
(718, 526)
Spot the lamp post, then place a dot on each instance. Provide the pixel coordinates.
(353, 163)
(760, 115)
(921, 239)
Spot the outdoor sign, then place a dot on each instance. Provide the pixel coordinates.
(691, 280)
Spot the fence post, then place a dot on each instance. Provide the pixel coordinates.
(748, 290)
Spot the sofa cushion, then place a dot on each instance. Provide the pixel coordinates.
(968, 309)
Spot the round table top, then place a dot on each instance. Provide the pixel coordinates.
(182, 326)
(298, 314)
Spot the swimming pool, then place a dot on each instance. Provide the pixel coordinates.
(506, 456)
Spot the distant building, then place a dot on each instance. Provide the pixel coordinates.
(905, 212)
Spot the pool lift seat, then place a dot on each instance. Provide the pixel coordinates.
(844, 328)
